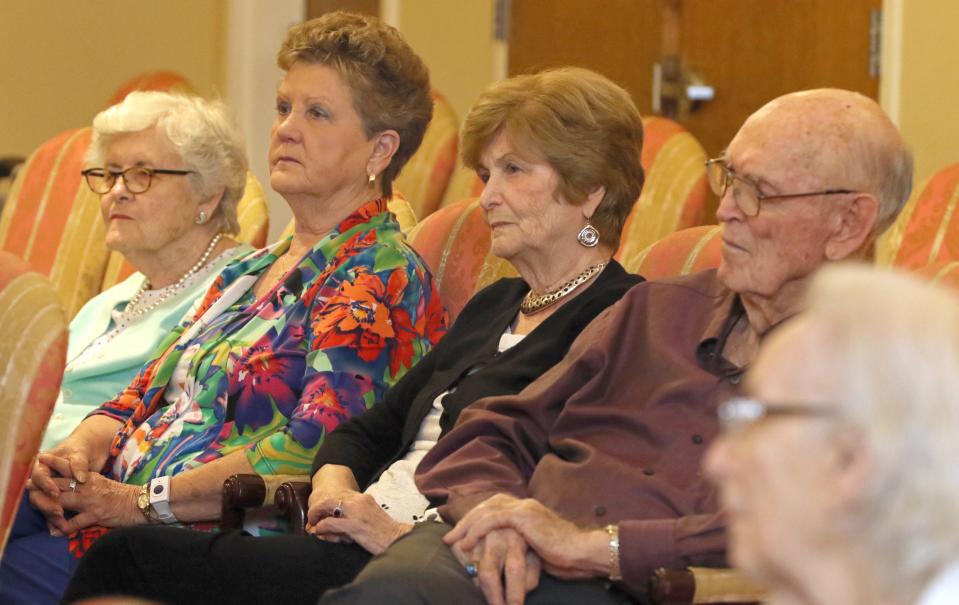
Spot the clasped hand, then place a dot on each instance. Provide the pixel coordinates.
(510, 539)
(61, 481)
(358, 517)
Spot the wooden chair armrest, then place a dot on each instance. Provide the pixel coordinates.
(703, 586)
(244, 491)
(292, 501)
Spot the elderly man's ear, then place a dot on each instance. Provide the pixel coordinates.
(852, 226)
(852, 471)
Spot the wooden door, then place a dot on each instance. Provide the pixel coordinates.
(749, 51)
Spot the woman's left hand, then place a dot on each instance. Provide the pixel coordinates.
(361, 520)
(99, 501)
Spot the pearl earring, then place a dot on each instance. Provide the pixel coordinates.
(200, 218)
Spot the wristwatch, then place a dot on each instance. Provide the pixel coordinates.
(143, 503)
(154, 501)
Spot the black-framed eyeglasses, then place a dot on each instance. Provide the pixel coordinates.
(137, 178)
(738, 413)
(746, 193)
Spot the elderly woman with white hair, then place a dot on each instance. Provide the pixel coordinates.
(169, 170)
(838, 470)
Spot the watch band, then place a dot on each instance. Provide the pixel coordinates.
(160, 500)
(615, 574)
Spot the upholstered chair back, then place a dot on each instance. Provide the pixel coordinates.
(425, 177)
(32, 358)
(52, 220)
(927, 230)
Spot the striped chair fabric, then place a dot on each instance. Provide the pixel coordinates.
(681, 253)
(927, 230)
(53, 222)
(425, 177)
(165, 81)
(675, 195)
(32, 358)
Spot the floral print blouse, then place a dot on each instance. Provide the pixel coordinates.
(272, 376)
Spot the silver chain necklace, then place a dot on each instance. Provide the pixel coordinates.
(533, 304)
(131, 309)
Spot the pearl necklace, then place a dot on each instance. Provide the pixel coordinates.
(131, 309)
(533, 304)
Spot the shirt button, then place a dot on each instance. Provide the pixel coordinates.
(697, 439)
(58, 417)
(649, 472)
(735, 379)
(600, 510)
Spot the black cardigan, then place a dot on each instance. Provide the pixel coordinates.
(371, 442)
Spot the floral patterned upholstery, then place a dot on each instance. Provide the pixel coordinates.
(426, 175)
(32, 357)
(927, 230)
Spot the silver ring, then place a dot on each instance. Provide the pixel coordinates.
(472, 569)
(73, 485)
(338, 509)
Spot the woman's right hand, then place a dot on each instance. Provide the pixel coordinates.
(69, 460)
(331, 483)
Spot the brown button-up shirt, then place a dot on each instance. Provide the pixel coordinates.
(615, 432)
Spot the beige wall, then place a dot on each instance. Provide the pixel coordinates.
(928, 87)
(61, 61)
(455, 39)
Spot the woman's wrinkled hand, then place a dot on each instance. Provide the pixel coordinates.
(97, 501)
(356, 517)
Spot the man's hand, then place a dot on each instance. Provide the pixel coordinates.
(567, 551)
(506, 569)
(360, 519)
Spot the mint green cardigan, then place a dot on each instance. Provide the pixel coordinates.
(88, 384)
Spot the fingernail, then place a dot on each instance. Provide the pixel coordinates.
(81, 477)
(56, 533)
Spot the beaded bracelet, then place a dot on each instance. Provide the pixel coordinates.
(614, 572)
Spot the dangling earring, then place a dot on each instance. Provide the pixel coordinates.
(200, 218)
(372, 178)
(588, 235)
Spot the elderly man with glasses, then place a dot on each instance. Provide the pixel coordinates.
(838, 471)
(576, 489)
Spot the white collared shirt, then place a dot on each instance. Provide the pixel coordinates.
(944, 588)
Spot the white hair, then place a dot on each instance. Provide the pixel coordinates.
(201, 132)
(895, 340)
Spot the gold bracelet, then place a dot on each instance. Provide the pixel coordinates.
(614, 571)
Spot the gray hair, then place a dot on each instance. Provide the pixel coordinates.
(896, 340)
(891, 174)
(202, 133)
